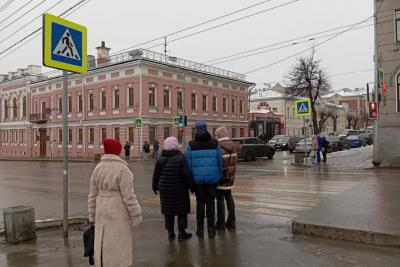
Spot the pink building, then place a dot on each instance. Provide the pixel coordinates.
(105, 102)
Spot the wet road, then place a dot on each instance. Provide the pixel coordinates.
(268, 193)
(271, 187)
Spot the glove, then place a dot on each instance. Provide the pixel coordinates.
(137, 220)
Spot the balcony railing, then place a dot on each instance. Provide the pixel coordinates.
(39, 118)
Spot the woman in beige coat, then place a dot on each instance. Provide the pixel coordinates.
(113, 208)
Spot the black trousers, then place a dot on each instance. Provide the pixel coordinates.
(324, 155)
(170, 222)
(205, 197)
(222, 196)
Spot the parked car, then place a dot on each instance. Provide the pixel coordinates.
(368, 137)
(343, 140)
(335, 144)
(304, 146)
(293, 142)
(274, 140)
(354, 141)
(249, 148)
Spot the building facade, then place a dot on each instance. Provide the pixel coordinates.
(282, 102)
(387, 126)
(105, 102)
(356, 100)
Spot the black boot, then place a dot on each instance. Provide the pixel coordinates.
(184, 236)
(211, 232)
(220, 226)
(171, 235)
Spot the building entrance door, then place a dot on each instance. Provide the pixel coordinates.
(43, 141)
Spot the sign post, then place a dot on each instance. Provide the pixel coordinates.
(303, 109)
(64, 48)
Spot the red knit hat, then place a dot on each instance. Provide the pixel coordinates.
(112, 146)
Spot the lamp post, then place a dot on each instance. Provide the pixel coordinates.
(248, 108)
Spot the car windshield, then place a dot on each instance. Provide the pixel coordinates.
(352, 137)
(309, 140)
(277, 137)
(284, 139)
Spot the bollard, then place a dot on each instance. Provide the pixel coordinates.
(19, 224)
(298, 158)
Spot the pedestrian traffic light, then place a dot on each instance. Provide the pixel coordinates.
(373, 110)
(181, 131)
(183, 121)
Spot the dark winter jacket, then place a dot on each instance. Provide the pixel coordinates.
(146, 148)
(204, 157)
(173, 180)
(127, 148)
(156, 146)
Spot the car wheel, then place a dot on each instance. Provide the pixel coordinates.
(270, 156)
(291, 150)
(249, 156)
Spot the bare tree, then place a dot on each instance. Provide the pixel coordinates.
(307, 79)
(352, 120)
(324, 114)
(334, 117)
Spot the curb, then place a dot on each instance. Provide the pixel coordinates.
(301, 165)
(54, 223)
(355, 235)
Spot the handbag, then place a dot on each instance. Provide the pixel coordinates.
(88, 243)
(225, 177)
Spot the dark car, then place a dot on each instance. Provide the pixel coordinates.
(354, 141)
(293, 142)
(335, 144)
(368, 137)
(343, 140)
(282, 142)
(249, 148)
(276, 141)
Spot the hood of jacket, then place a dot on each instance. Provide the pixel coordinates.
(221, 132)
(227, 145)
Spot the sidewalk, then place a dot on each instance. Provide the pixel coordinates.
(368, 212)
(258, 241)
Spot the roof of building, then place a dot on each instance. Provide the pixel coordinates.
(347, 93)
(268, 93)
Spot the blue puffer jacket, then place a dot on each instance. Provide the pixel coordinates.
(204, 158)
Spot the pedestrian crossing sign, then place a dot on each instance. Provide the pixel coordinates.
(139, 122)
(64, 44)
(302, 107)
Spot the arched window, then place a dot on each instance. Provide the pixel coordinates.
(14, 107)
(6, 109)
(24, 106)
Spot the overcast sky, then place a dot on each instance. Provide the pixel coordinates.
(122, 24)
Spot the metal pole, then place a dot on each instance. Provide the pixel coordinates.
(305, 139)
(65, 153)
(376, 123)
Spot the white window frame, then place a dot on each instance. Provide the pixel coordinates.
(397, 25)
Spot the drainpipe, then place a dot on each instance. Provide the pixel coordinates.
(248, 108)
(140, 107)
(83, 115)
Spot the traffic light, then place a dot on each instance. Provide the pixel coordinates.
(183, 121)
(181, 131)
(373, 110)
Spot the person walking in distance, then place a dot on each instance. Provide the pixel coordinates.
(127, 148)
(204, 157)
(113, 208)
(325, 146)
(146, 150)
(156, 146)
(224, 189)
(172, 179)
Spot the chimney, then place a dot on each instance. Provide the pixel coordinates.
(103, 53)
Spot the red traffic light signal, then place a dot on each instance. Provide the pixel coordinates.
(373, 110)
(181, 131)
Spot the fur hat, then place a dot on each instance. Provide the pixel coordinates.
(112, 146)
(170, 143)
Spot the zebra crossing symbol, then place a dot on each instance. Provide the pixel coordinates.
(66, 47)
(64, 44)
(302, 107)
